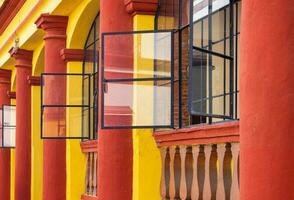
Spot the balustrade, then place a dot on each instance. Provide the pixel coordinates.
(200, 172)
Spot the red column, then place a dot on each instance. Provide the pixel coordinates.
(23, 124)
(4, 153)
(267, 100)
(115, 150)
(54, 175)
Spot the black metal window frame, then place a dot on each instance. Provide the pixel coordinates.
(4, 126)
(211, 53)
(178, 28)
(105, 81)
(43, 106)
(93, 135)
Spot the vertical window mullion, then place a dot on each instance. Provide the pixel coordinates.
(225, 61)
(236, 61)
(231, 61)
(180, 64)
(210, 58)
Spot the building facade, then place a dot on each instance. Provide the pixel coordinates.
(146, 99)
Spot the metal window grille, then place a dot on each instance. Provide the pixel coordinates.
(7, 126)
(137, 79)
(91, 66)
(206, 53)
(59, 113)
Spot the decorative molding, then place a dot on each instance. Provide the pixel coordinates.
(11, 95)
(202, 134)
(34, 80)
(146, 7)
(8, 10)
(54, 25)
(89, 146)
(22, 57)
(72, 55)
(5, 76)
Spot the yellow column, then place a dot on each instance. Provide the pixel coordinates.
(37, 143)
(146, 157)
(12, 165)
(75, 159)
(37, 146)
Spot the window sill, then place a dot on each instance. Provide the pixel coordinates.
(86, 197)
(89, 146)
(202, 134)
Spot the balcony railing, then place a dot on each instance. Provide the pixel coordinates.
(90, 150)
(200, 163)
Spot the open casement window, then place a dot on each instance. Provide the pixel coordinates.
(137, 79)
(7, 126)
(65, 105)
(213, 83)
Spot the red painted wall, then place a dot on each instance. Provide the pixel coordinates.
(267, 100)
(115, 151)
(4, 153)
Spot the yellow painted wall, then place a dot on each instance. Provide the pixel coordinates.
(75, 159)
(12, 165)
(146, 158)
(37, 147)
(37, 143)
(82, 16)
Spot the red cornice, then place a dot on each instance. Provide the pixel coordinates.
(11, 95)
(89, 146)
(22, 57)
(34, 80)
(147, 7)
(5, 76)
(8, 10)
(54, 25)
(72, 55)
(205, 134)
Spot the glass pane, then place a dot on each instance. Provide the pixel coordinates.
(57, 119)
(9, 116)
(133, 55)
(9, 137)
(8, 123)
(55, 89)
(210, 84)
(168, 15)
(201, 8)
(141, 103)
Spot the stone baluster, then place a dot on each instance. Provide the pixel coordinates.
(95, 174)
(183, 185)
(207, 186)
(220, 192)
(235, 190)
(163, 152)
(172, 186)
(195, 186)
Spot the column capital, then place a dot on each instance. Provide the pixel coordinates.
(5, 76)
(34, 80)
(22, 57)
(146, 7)
(72, 55)
(11, 95)
(54, 25)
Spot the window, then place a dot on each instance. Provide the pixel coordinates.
(206, 69)
(91, 67)
(7, 126)
(137, 79)
(62, 106)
